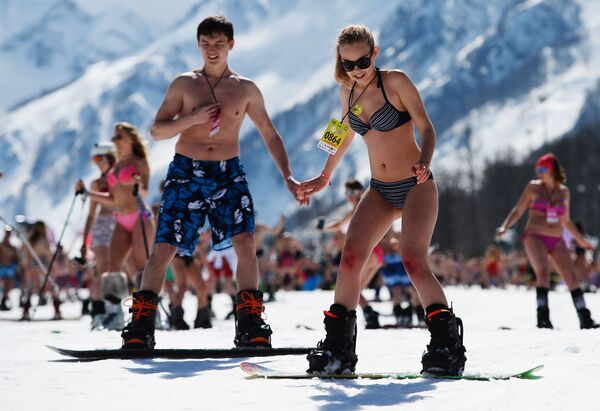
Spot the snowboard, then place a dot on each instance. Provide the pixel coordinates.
(259, 371)
(119, 354)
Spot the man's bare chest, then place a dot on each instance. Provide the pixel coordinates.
(233, 99)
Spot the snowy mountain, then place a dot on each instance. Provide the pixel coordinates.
(56, 48)
(485, 71)
(499, 75)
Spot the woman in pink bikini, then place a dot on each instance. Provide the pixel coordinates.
(547, 199)
(130, 169)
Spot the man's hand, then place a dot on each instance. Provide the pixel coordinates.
(205, 114)
(310, 187)
(293, 186)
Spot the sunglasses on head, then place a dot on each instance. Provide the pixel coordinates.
(362, 63)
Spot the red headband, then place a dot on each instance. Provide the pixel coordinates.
(547, 160)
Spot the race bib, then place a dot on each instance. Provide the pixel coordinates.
(333, 137)
(552, 215)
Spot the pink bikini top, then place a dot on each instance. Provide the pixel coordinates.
(126, 175)
(542, 205)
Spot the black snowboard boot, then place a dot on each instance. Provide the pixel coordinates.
(26, 307)
(445, 353)
(3, 305)
(85, 307)
(250, 329)
(203, 318)
(336, 354)
(177, 321)
(420, 316)
(403, 315)
(371, 318)
(139, 333)
(543, 318)
(585, 319)
(97, 313)
(231, 314)
(56, 304)
(209, 299)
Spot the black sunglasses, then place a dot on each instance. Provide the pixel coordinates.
(361, 63)
(116, 137)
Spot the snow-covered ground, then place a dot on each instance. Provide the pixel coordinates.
(34, 378)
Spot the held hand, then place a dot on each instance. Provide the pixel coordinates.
(293, 186)
(421, 171)
(206, 114)
(586, 244)
(312, 186)
(137, 186)
(79, 187)
(500, 232)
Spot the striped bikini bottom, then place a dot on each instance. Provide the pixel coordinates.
(395, 192)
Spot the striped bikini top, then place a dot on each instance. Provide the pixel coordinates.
(385, 119)
(543, 205)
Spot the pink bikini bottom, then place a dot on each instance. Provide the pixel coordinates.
(550, 242)
(127, 221)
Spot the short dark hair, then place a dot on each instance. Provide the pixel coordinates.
(354, 185)
(215, 25)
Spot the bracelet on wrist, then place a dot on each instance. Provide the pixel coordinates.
(326, 177)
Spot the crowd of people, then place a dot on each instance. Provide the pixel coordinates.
(286, 263)
(202, 237)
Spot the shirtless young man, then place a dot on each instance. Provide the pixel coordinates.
(205, 179)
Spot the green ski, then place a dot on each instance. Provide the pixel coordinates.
(258, 371)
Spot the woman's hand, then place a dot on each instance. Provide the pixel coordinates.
(312, 186)
(500, 232)
(421, 171)
(585, 244)
(293, 186)
(80, 187)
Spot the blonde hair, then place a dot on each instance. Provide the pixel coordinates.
(139, 145)
(350, 35)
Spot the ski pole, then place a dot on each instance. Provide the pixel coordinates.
(58, 245)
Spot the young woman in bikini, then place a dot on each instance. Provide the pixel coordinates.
(129, 173)
(547, 199)
(384, 107)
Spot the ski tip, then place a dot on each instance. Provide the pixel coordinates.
(251, 368)
(254, 370)
(530, 374)
(55, 349)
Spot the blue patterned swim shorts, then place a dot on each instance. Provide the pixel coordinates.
(196, 189)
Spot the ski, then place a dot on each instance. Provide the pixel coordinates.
(120, 354)
(258, 371)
